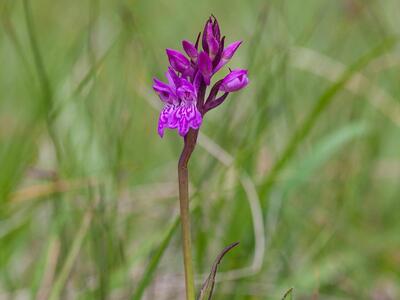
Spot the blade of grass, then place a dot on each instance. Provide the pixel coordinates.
(43, 77)
(288, 295)
(312, 61)
(61, 279)
(322, 152)
(322, 103)
(50, 265)
(11, 33)
(39, 64)
(94, 69)
(155, 260)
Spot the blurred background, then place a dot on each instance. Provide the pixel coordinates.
(302, 167)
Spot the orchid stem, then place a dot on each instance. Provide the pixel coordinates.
(183, 177)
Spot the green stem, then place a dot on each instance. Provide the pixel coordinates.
(183, 177)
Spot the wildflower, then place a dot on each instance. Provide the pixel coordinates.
(188, 78)
(180, 111)
(184, 108)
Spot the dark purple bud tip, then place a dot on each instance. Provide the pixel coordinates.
(216, 30)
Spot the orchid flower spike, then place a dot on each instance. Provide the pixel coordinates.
(188, 78)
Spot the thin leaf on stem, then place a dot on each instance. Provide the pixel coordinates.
(208, 286)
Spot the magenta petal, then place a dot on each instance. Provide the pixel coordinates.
(218, 56)
(227, 54)
(183, 127)
(173, 79)
(211, 37)
(190, 50)
(164, 91)
(234, 81)
(230, 50)
(197, 81)
(164, 119)
(177, 60)
(216, 30)
(205, 67)
(186, 92)
(213, 46)
(188, 73)
(188, 117)
(183, 117)
(207, 32)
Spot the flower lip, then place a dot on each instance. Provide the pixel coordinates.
(187, 116)
(164, 118)
(183, 117)
(234, 81)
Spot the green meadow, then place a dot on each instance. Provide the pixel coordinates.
(302, 167)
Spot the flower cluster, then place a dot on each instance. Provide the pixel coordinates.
(188, 78)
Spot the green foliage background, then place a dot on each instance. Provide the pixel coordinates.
(302, 167)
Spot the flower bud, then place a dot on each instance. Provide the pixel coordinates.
(178, 61)
(205, 67)
(234, 81)
(190, 50)
(211, 37)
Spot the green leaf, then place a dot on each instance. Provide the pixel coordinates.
(288, 295)
(208, 286)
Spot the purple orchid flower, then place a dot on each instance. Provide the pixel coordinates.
(179, 97)
(184, 94)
